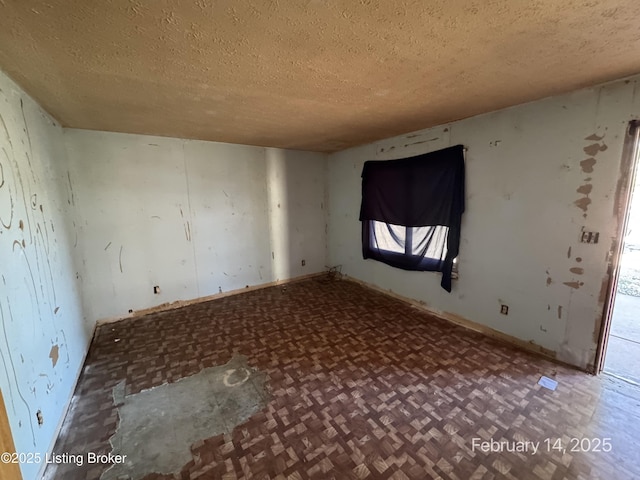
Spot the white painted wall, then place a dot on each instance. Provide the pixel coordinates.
(296, 190)
(522, 225)
(195, 218)
(43, 338)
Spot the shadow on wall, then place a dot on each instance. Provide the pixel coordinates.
(278, 192)
(295, 188)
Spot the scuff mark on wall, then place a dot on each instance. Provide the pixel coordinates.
(421, 141)
(574, 284)
(602, 299)
(577, 270)
(120, 258)
(187, 226)
(16, 171)
(13, 368)
(66, 349)
(604, 287)
(29, 154)
(71, 200)
(559, 312)
(34, 292)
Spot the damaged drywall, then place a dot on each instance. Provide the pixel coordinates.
(43, 337)
(539, 176)
(587, 165)
(157, 427)
(191, 218)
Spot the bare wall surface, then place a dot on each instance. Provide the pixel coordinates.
(191, 217)
(319, 75)
(537, 174)
(43, 338)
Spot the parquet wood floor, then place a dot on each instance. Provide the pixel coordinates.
(362, 386)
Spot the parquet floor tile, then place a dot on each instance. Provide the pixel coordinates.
(361, 386)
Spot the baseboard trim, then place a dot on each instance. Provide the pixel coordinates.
(469, 325)
(183, 303)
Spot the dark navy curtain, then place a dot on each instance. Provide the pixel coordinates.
(412, 210)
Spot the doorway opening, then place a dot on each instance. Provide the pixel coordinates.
(619, 349)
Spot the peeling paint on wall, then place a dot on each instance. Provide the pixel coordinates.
(595, 138)
(595, 148)
(587, 165)
(38, 261)
(558, 161)
(585, 189)
(53, 355)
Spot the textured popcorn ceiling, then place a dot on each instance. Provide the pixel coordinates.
(310, 74)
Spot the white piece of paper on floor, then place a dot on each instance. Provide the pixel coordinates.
(547, 382)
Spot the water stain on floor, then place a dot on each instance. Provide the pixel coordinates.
(158, 426)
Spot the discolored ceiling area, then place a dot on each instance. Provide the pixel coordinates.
(319, 75)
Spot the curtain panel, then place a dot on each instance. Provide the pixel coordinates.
(411, 211)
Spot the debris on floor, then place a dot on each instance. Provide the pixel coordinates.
(548, 383)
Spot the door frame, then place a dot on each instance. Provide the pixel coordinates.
(8, 471)
(624, 192)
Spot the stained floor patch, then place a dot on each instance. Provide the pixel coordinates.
(158, 426)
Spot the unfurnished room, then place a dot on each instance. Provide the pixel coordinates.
(319, 239)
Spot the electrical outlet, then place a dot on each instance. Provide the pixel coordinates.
(589, 237)
(504, 309)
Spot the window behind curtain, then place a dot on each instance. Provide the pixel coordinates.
(412, 209)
